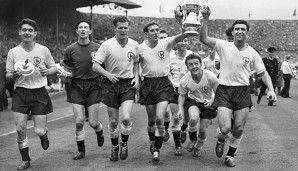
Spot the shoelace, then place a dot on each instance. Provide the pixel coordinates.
(124, 147)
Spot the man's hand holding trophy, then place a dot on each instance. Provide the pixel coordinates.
(190, 17)
(65, 70)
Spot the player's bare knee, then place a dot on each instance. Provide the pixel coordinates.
(113, 124)
(93, 124)
(126, 122)
(40, 131)
(193, 122)
(151, 123)
(159, 121)
(21, 128)
(79, 126)
(202, 134)
(225, 130)
(237, 133)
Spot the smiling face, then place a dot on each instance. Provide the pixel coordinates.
(240, 32)
(121, 30)
(27, 33)
(153, 33)
(194, 66)
(84, 30)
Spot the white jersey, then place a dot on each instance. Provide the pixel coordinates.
(210, 65)
(117, 59)
(155, 62)
(286, 68)
(198, 91)
(40, 57)
(235, 65)
(178, 68)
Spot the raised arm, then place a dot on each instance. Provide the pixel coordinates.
(204, 38)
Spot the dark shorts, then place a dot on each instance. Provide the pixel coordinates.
(206, 112)
(32, 101)
(115, 94)
(176, 96)
(233, 97)
(84, 92)
(156, 90)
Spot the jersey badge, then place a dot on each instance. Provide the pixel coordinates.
(161, 55)
(93, 54)
(245, 61)
(130, 56)
(205, 89)
(36, 61)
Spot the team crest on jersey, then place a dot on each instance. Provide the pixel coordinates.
(161, 55)
(130, 56)
(205, 89)
(93, 54)
(36, 61)
(245, 60)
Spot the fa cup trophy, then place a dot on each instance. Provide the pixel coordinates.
(65, 68)
(190, 17)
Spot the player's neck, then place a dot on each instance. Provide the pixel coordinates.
(122, 42)
(197, 77)
(151, 43)
(28, 46)
(83, 41)
(241, 45)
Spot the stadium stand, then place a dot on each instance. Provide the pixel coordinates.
(282, 34)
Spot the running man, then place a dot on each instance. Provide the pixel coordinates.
(30, 95)
(156, 90)
(232, 96)
(120, 57)
(177, 71)
(199, 85)
(84, 89)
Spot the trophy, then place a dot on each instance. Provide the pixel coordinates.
(190, 16)
(25, 67)
(65, 68)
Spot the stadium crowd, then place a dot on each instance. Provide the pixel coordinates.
(281, 34)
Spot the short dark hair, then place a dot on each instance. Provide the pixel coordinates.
(145, 29)
(84, 21)
(121, 19)
(241, 22)
(229, 32)
(29, 22)
(163, 31)
(192, 56)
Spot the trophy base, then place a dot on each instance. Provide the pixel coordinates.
(191, 33)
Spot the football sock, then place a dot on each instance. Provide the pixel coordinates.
(193, 136)
(151, 136)
(81, 146)
(124, 138)
(158, 143)
(176, 136)
(166, 124)
(115, 141)
(25, 154)
(231, 151)
(99, 133)
(183, 127)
